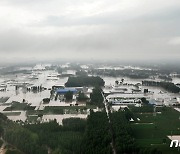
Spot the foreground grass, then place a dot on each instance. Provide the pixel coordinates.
(12, 113)
(152, 131)
(19, 106)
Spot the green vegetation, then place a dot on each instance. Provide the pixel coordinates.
(81, 73)
(38, 138)
(96, 97)
(74, 124)
(97, 136)
(32, 118)
(53, 110)
(122, 133)
(67, 109)
(68, 95)
(3, 99)
(131, 73)
(46, 100)
(169, 86)
(142, 109)
(13, 151)
(82, 97)
(1, 142)
(94, 135)
(64, 139)
(152, 131)
(81, 81)
(12, 113)
(19, 106)
(165, 77)
(21, 138)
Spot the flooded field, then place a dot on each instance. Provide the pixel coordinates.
(14, 88)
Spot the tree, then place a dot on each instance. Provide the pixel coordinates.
(81, 97)
(81, 81)
(68, 95)
(59, 70)
(116, 82)
(96, 97)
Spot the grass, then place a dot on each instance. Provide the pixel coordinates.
(19, 106)
(32, 118)
(164, 124)
(12, 113)
(3, 99)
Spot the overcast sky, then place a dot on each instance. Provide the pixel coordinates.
(91, 29)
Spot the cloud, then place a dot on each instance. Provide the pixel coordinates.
(98, 29)
(174, 41)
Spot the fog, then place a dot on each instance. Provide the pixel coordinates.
(116, 30)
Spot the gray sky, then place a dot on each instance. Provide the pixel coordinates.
(91, 29)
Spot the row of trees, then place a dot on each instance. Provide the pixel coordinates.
(64, 139)
(169, 86)
(75, 135)
(97, 137)
(96, 97)
(132, 73)
(43, 137)
(23, 139)
(122, 133)
(81, 81)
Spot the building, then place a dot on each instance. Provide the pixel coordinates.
(65, 90)
(126, 98)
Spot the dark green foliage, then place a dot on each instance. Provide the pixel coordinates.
(68, 95)
(81, 81)
(24, 140)
(1, 142)
(13, 151)
(144, 100)
(122, 133)
(19, 106)
(129, 114)
(2, 118)
(81, 97)
(65, 139)
(46, 100)
(74, 124)
(3, 99)
(81, 73)
(165, 77)
(143, 109)
(149, 151)
(97, 136)
(169, 86)
(59, 70)
(131, 73)
(96, 97)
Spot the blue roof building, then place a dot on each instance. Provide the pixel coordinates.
(65, 90)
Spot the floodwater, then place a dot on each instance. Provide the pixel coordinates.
(157, 92)
(47, 79)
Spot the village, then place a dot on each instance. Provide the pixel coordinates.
(38, 94)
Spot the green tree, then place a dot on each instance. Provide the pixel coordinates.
(68, 95)
(96, 97)
(81, 97)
